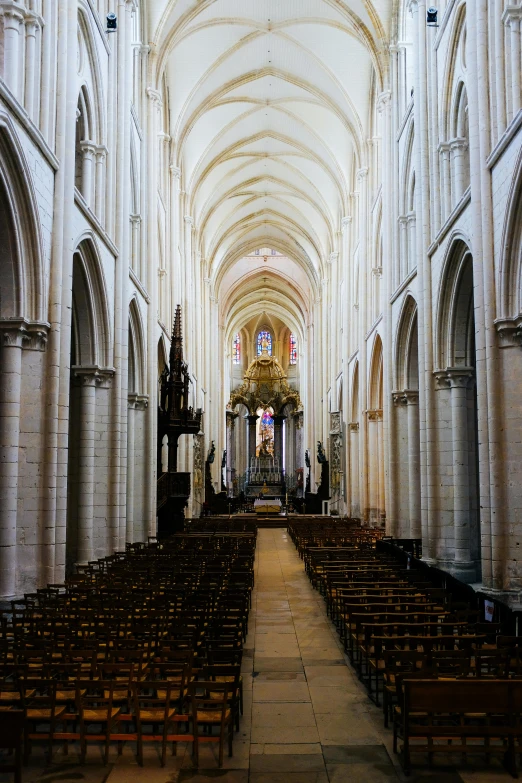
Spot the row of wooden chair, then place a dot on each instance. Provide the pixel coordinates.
(399, 628)
(142, 646)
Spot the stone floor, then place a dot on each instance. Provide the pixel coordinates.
(307, 718)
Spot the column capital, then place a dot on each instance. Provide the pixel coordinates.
(458, 144)
(509, 331)
(13, 14)
(33, 22)
(154, 96)
(138, 401)
(513, 13)
(444, 147)
(175, 171)
(406, 397)
(353, 426)
(88, 147)
(279, 419)
(94, 376)
(362, 174)
(252, 418)
(135, 219)
(333, 257)
(345, 222)
(383, 100)
(30, 335)
(374, 415)
(454, 377)
(189, 220)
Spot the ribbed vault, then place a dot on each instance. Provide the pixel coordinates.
(270, 108)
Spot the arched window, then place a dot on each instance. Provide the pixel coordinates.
(293, 349)
(236, 349)
(264, 341)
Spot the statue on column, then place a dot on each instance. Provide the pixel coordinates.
(321, 456)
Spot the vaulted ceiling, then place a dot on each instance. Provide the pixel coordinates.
(270, 104)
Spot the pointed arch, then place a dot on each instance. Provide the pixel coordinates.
(455, 334)
(510, 283)
(138, 345)
(355, 393)
(91, 319)
(405, 348)
(21, 269)
(375, 390)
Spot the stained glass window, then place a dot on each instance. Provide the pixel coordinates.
(264, 340)
(293, 349)
(236, 350)
(265, 440)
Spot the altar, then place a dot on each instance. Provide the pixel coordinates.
(264, 506)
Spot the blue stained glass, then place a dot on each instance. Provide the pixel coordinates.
(266, 338)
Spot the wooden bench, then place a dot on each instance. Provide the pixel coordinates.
(446, 715)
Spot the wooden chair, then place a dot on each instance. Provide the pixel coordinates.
(154, 704)
(230, 674)
(211, 708)
(11, 739)
(95, 705)
(40, 708)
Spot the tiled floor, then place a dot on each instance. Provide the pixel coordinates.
(307, 718)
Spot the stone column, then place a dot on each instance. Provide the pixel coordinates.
(362, 188)
(32, 26)
(500, 74)
(129, 524)
(458, 147)
(444, 150)
(511, 17)
(278, 439)
(251, 422)
(135, 221)
(89, 151)
(412, 400)
(458, 379)
(231, 447)
(354, 463)
(411, 260)
(459, 382)
(88, 378)
(10, 390)
(13, 20)
(99, 190)
(404, 250)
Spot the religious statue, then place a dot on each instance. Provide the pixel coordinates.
(321, 456)
(211, 453)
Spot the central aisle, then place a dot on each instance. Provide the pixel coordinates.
(311, 720)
